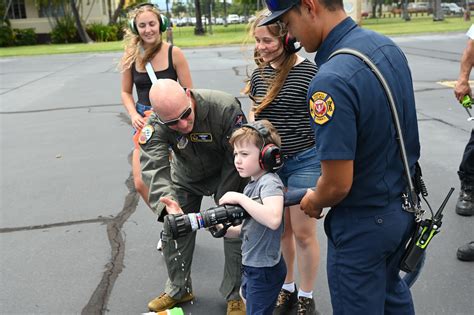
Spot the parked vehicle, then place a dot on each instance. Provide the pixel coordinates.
(451, 9)
(184, 21)
(419, 7)
(425, 7)
(233, 19)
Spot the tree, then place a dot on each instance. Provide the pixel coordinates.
(198, 29)
(81, 30)
(72, 5)
(178, 8)
(113, 19)
(225, 13)
(244, 7)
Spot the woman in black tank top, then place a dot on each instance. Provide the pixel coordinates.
(143, 44)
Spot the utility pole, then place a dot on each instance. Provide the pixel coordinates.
(438, 14)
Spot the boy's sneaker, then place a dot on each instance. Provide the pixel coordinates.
(306, 306)
(164, 302)
(285, 302)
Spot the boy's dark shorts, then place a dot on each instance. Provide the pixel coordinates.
(261, 286)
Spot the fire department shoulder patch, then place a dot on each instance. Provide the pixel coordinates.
(321, 107)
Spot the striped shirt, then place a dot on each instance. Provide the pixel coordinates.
(289, 110)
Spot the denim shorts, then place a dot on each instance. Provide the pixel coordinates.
(301, 170)
(141, 109)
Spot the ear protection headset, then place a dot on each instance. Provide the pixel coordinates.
(290, 44)
(270, 154)
(162, 19)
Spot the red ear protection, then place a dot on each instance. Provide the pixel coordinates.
(270, 154)
(270, 158)
(290, 44)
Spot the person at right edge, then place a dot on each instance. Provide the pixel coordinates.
(464, 206)
(362, 175)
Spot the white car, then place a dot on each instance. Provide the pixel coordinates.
(233, 19)
(451, 9)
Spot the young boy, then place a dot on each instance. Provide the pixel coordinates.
(256, 155)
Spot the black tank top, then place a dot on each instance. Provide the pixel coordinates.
(143, 83)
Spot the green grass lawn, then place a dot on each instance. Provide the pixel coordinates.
(237, 33)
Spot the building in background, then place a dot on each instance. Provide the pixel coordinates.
(25, 14)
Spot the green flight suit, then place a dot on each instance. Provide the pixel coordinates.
(202, 164)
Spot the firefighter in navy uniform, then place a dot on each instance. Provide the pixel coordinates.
(362, 177)
(197, 125)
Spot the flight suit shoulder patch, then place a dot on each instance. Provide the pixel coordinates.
(145, 134)
(321, 107)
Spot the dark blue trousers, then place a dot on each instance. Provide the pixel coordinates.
(365, 246)
(466, 168)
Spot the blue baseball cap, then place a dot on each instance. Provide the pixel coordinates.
(278, 8)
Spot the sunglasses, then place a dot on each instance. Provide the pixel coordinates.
(173, 122)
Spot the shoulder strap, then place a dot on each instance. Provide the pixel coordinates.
(149, 68)
(170, 57)
(412, 196)
(151, 72)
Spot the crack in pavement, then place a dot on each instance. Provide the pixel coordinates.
(98, 301)
(431, 118)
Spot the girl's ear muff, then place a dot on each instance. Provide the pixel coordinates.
(290, 44)
(132, 26)
(162, 19)
(164, 23)
(270, 154)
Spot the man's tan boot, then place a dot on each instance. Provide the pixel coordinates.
(164, 302)
(235, 307)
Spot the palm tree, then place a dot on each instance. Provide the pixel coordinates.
(198, 29)
(80, 27)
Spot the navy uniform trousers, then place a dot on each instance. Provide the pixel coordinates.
(466, 168)
(365, 246)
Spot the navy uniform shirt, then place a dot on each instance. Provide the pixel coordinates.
(351, 115)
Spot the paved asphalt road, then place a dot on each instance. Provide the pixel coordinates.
(75, 238)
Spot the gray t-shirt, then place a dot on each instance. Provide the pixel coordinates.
(260, 244)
